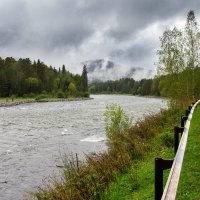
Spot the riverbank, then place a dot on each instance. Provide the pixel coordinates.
(8, 103)
(126, 169)
(125, 94)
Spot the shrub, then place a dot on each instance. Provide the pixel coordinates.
(41, 96)
(86, 94)
(31, 94)
(12, 97)
(60, 94)
(116, 121)
(44, 92)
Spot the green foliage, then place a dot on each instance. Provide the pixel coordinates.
(84, 79)
(72, 89)
(22, 78)
(32, 84)
(179, 61)
(116, 121)
(127, 86)
(86, 94)
(60, 94)
(41, 96)
(12, 97)
(138, 182)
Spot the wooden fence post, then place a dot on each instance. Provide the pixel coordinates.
(160, 165)
(177, 130)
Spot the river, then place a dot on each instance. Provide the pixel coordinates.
(34, 137)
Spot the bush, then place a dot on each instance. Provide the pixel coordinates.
(44, 92)
(12, 97)
(60, 94)
(116, 121)
(31, 94)
(41, 96)
(86, 94)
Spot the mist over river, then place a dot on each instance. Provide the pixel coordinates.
(33, 137)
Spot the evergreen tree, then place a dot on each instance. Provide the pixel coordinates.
(63, 70)
(84, 79)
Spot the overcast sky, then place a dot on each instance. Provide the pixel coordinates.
(72, 32)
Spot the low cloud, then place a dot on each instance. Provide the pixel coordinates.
(103, 70)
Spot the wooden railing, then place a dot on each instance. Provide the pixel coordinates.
(176, 164)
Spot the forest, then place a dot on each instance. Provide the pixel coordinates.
(22, 78)
(127, 86)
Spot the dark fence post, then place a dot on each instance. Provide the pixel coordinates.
(177, 130)
(187, 112)
(183, 120)
(160, 165)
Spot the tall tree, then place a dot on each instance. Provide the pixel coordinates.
(192, 41)
(192, 49)
(178, 58)
(84, 79)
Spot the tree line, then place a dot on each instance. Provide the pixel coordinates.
(23, 78)
(127, 86)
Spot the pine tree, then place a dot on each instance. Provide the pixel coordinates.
(84, 79)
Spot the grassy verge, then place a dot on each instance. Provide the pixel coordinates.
(138, 182)
(189, 185)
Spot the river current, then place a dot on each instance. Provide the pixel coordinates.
(35, 137)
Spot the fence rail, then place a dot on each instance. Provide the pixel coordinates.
(173, 178)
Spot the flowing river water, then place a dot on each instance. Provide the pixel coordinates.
(34, 137)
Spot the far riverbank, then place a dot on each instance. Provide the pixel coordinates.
(8, 103)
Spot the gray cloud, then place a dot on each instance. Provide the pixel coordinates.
(102, 70)
(99, 64)
(124, 33)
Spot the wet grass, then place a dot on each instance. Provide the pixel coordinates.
(189, 186)
(138, 182)
(125, 171)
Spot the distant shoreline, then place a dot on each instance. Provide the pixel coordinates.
(19, 102)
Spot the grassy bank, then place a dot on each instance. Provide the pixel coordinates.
(189, 185)
(138, 182)
(126, 170)
(6, 102)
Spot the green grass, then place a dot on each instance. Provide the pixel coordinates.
(138, 183)
(189, 185)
